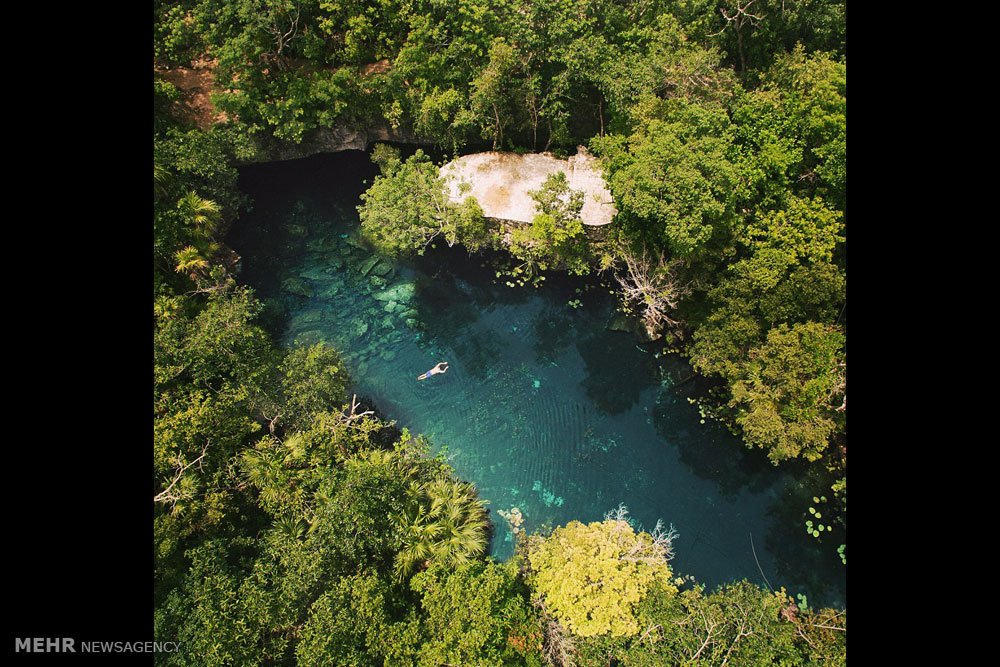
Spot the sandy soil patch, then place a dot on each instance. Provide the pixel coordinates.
(195, 85)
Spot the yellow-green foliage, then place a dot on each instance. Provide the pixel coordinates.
(592, 577)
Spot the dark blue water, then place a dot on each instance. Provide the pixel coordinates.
(543, 406)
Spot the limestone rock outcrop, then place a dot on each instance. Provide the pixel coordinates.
(500, 182)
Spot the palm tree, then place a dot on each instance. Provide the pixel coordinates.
(199, 212)
(446, 522)
(161, 179)
(190, 261)
(165, 307)
(267, 470)
(293, 527)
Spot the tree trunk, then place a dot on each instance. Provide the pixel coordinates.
(739, 44)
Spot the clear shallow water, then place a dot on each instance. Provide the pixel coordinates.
(543, 407)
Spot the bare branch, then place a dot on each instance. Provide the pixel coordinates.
(653, 289)
(620, 513)
(739, 18)
(166, 495)
(558, 645)
(828, 627)
(654, 548)
(353, 415)
(709, 629)
(648, 630)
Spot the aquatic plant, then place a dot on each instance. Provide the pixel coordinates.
(818, 528)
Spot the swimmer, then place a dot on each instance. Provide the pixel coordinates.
(440, 368)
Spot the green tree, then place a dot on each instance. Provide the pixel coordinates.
(804, 97)
(555, 238)
(205, 613)
(202, 214)
(477, 613)
(494, 92)
(348, 624)
(788, 388)
(737, 623)
(592, 577)
(207, 365)
(805, 230)
(672, 180)
(313, 380)
(407, 208)
(811, 292)
(655, 61)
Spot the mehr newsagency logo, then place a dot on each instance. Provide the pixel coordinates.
(70, 645)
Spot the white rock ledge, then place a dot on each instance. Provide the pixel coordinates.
(501, 182)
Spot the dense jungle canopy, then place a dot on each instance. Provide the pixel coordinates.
(293, 524)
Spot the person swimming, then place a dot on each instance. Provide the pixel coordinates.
(440, 368)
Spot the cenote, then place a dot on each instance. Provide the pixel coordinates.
(543, 408)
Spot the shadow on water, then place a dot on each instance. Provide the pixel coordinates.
(554, 330)
(614, 381)
(543, 407)
(447, 317)
(735, 470)
(715, 455)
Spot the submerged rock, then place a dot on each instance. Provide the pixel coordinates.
(355, 242)
(368, 265)
(632, 325)
(400, 292)
(358, 328)
(307, 317)
(548, 497)
(620, 322)
(314, 273)
(311, 337)
(296, 230)
(322, 244)
(297, 286)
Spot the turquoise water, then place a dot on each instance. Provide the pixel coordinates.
(543, 407)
